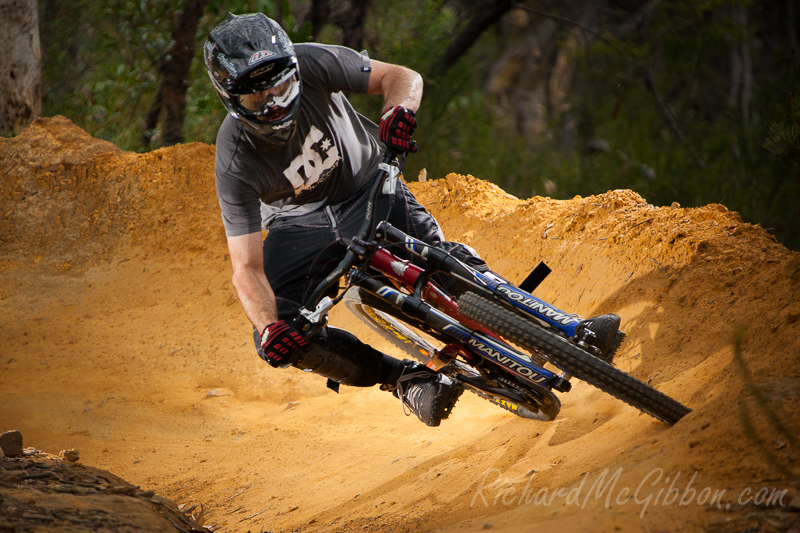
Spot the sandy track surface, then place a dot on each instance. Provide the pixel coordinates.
(122, 337)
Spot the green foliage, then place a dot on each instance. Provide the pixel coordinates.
(785, 134)
(458, 131)
(689, 48)
(117, 45)
(785, 138)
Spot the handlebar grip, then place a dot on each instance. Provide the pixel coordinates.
(390, 154)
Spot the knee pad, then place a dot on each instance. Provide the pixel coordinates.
(341, 357)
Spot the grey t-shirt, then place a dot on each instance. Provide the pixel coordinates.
(327, 160)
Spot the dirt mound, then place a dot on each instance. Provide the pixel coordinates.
(140, 356)
(44, 492)
(70, 197)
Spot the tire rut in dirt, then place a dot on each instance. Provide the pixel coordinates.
(572, 359)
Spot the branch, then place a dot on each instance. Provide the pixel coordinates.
(640, 17)
(669, 116)
(584, 28)
(475, 27)
(151, 120)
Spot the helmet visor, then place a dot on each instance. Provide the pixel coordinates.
(272, 103)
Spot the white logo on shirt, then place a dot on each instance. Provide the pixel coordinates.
(312, 163)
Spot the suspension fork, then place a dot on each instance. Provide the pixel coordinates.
(408, 274)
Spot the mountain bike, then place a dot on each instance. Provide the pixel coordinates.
(499, 340)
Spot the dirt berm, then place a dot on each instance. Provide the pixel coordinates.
(121, 336)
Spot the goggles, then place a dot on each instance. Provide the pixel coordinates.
(273, 103)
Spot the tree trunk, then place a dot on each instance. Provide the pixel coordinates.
(20, 65)
(485, 15)
(560, 82)
(791, 29)
(151, 120)
(279, 13)
(353, 27)
(175, 72)
(318, 16)
(747, 66)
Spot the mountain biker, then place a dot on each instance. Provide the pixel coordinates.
(295, 158)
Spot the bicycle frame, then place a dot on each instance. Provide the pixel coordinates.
(479, 342)
(493, 368)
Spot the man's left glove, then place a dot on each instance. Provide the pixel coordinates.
(278, 341)
(397, 126)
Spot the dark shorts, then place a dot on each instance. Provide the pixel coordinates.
(301, 251)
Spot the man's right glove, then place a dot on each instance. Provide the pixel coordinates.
(397, 126)
(278, 341)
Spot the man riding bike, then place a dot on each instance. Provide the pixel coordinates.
(295, 158)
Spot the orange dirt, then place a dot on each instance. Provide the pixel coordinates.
(122, 337)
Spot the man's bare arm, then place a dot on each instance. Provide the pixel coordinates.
(398, 85)
(251, 283)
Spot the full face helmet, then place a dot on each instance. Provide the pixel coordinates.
(253, 67)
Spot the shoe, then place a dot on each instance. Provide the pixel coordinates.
(428, 394)
(603, 333)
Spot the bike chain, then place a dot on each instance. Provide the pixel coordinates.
(456, 364)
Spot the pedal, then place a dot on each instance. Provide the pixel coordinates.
(618, 340)
(560, 384)
(454, 396)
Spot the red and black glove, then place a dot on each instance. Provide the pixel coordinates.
(397, 126)
(278, 341)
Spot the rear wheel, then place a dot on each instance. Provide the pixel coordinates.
(396, 328)
(571, 359)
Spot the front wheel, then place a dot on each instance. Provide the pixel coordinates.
(571, 359)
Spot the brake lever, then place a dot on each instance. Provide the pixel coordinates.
(318, 318)
(390, 183)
